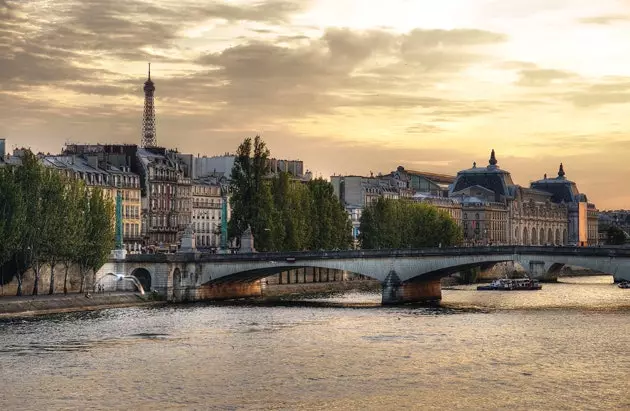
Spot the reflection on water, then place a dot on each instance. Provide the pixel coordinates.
(564, 347)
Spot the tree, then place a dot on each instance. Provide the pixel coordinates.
(83, 251)
(71, 232)
(251, 199)
(53, 207)
(330, 226)
(11, 216)
(29, 178)
(284, 214)
(98, 233)
(46, 219)
(615, 236)
(404, 224)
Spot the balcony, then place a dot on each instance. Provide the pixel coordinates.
(161, 229)
(205, 205)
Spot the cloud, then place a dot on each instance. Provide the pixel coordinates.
(342, 68)
(537, 77)
(606, 19)
(422, 38)
(614, 90)
(423, 128)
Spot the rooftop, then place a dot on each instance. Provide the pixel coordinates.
(436, 177)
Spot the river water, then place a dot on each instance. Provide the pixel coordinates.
(565, 347)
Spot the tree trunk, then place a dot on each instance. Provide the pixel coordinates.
(65, 280)
(82, 280)
(19, 280)
(51, 289)
(36, 281)
(18, 274)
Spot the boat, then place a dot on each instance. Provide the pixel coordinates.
(624, 284)
(511, 284)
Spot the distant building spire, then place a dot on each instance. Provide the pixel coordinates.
(561, 171)
(148, 118)
(493, 159)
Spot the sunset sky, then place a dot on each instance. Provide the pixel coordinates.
(347, 86)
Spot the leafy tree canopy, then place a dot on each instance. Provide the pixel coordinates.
(284, 213)
(615, 236)
(391, 223)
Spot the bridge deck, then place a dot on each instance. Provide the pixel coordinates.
(290, 256)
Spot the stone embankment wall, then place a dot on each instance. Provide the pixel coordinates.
(49, 304)
(9, 283)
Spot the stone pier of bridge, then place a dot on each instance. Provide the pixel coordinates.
(398, 292)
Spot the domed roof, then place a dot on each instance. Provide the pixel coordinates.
(560, 188)
(490, 177)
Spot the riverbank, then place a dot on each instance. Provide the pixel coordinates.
(29, 305)
(60, 303)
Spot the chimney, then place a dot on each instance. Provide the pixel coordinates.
(2, 149)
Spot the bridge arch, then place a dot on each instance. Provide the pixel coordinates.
(143, 276)
(261, 273)
(446, 271)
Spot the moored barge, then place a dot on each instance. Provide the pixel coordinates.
(511, 284)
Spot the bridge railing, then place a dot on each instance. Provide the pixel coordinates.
(291, 256)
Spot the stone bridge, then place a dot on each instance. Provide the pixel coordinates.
(406, 275)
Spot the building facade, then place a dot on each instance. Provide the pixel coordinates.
(208, 196)
(497, 211)
(166, 198)
(165, 191)
(490, 208)
(203, 166)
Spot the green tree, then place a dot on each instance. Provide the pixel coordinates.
(53, 207)
(71, 232)
(100, 231)
(615, 236)
(284, 214)
(12, 216)
(83, 252)
(330, 227)
(291, 200)
(405, 224)
(29, 178)
(251, 199)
